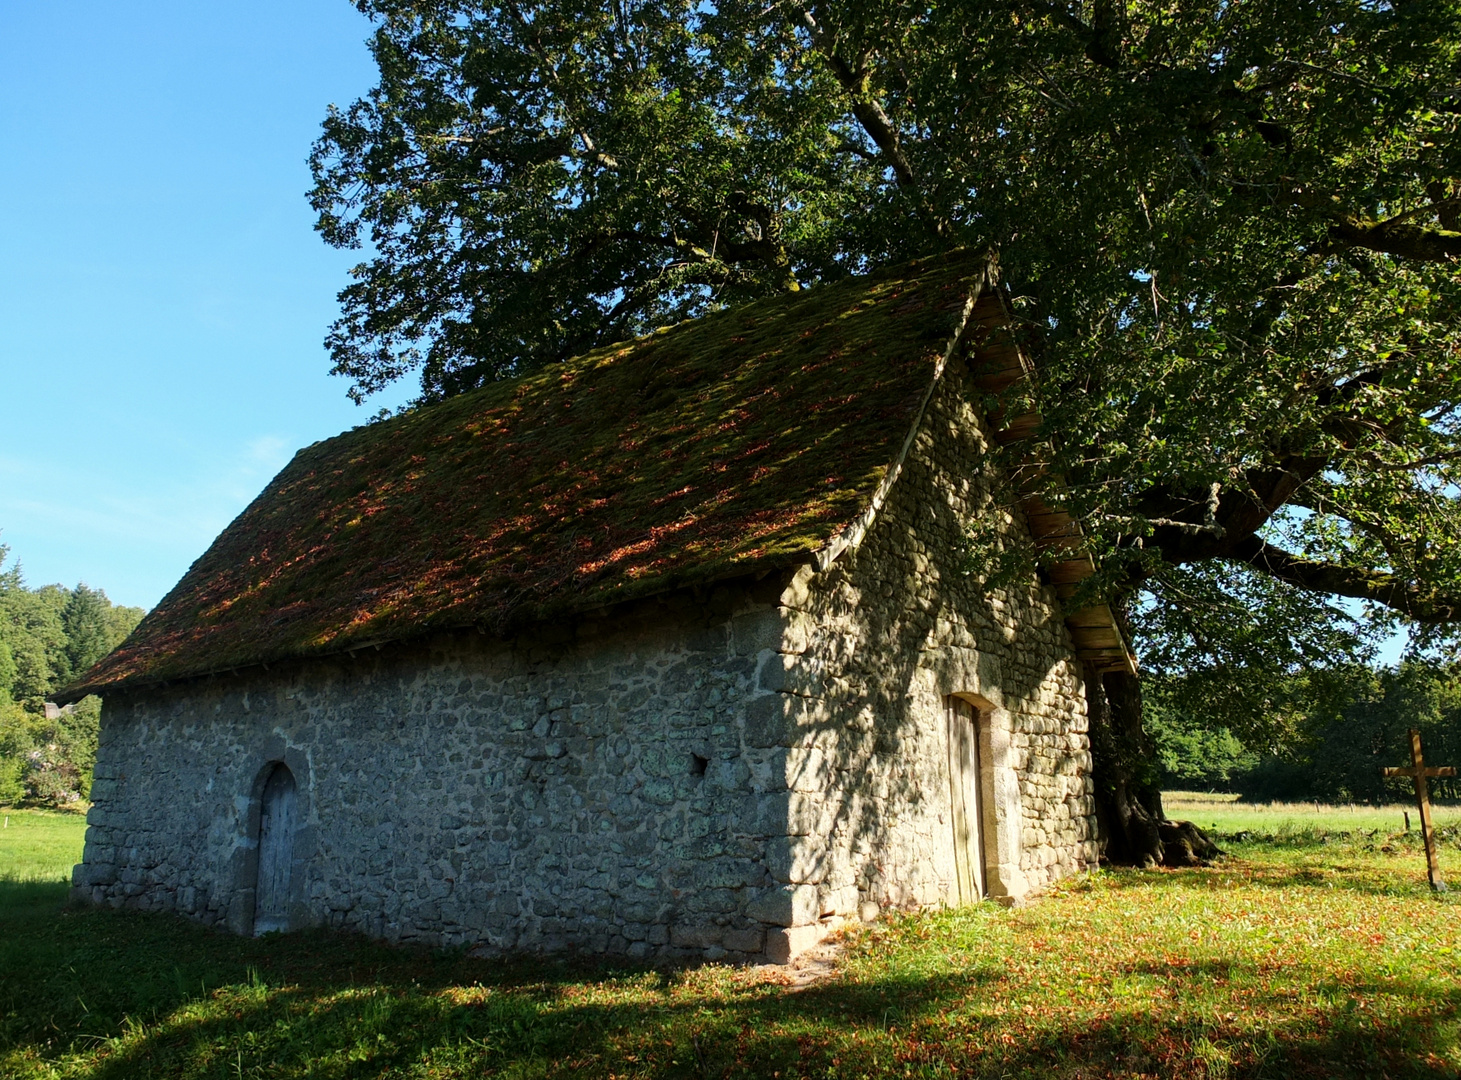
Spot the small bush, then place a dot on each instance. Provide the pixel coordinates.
(47, 761)
(50, 779)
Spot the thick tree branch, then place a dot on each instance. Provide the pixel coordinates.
(1397, 550)
(1396, 236)
(1186, 528)
(847, 146)
(767, 246)
(1429, 461)
(1205, 522)
(1101, 38)
(591, 151)
(1423, 605)
(865, 107)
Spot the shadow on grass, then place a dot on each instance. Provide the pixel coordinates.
(831, 1029)
(154, 995)
(19, 894)
(391, 1028)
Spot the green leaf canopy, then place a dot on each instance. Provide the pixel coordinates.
(1229, 231)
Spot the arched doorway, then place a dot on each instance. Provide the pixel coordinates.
(277, 817)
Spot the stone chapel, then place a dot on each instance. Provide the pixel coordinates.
(673, 650)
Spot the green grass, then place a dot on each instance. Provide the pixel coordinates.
(40, 845)
(1225, 814)
(1324, 959)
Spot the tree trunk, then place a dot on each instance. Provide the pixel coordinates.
(1134, 828)
(1128, 803)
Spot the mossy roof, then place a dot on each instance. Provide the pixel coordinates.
(735, 443)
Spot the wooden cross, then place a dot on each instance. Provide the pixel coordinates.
(1418, 772)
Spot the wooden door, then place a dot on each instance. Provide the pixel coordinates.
(276, 852)
(964, 800)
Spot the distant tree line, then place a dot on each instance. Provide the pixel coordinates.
(48, 636)
(1326, 741)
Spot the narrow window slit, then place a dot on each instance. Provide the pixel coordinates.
(698, 765)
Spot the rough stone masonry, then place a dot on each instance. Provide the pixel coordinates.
(713, 773)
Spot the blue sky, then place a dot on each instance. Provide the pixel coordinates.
(163, 297)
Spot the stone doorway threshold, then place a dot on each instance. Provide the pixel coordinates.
(811, 965)
(814, 965)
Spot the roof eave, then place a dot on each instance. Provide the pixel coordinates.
(1058, 537)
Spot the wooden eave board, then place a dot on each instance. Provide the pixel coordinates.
(997, 364)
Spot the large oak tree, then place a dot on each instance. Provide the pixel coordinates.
(1229, 231)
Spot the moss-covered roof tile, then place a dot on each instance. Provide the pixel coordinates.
(718, 447)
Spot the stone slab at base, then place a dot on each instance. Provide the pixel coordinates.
(786, 944)
(1014, 901)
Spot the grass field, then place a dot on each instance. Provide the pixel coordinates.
(40, 845)
(1226, 815)
(1296, 957)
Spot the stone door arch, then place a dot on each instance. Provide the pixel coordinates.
(278, 823)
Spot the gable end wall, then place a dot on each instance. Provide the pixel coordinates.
(876, 648)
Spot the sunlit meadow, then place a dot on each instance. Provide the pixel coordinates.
(1314, 948)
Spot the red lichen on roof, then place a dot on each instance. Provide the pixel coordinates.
(734, 443)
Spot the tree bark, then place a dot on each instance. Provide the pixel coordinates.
(1421, 604)
(1128, 802)
(1134, 828)
(1401, 238)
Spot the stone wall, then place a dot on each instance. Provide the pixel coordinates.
(875, 648)
(697, 776)
(593, 792)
